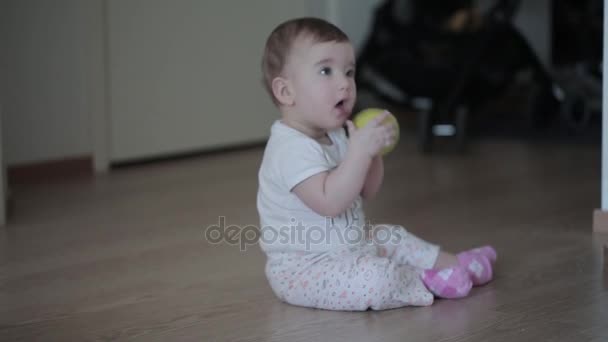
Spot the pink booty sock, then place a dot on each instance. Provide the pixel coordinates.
(487, 251)
(451, 283)
(477, 265)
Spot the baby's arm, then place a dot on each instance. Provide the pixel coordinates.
(331, 193)
(374, 178)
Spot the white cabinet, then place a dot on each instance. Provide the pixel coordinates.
(184, 75)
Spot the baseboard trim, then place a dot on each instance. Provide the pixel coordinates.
(51, 170)
(197, 153)
(600, 221)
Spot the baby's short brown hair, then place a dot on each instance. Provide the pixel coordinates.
(279, 43)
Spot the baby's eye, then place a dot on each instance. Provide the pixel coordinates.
(325, 71)
(350, 73)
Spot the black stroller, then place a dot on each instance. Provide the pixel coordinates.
(444, 60)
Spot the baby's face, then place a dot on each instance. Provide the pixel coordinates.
(323, 79)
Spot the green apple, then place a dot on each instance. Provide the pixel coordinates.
(363, 117)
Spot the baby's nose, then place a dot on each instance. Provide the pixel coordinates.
(344, 83)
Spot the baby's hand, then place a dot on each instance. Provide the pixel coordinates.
(372, 138)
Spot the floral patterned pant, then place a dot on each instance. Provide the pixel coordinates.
(382, 274)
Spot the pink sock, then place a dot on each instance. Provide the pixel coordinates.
(451, 283)
(477, 265)
(487, 251)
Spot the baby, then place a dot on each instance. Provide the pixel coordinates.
(313, 178)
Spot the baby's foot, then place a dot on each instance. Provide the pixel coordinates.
(477, 265)
(451, 283)
(487, 251)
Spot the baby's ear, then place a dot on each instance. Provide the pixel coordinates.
(283, 91)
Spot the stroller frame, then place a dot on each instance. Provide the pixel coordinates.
(446, 114)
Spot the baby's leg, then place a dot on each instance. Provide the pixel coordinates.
(354, 280)
(443, 274)
(404, 248)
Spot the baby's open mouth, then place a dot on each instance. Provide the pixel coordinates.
(340, 104)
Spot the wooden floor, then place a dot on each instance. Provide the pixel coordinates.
(124, 257)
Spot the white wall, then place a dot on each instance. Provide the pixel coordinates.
(3, 49)
(353, 17)
(3, 188)
(44, 99)
(605, 116)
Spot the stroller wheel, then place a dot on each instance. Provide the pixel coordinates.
(576, 113)
(462, 120)
(424, 131)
